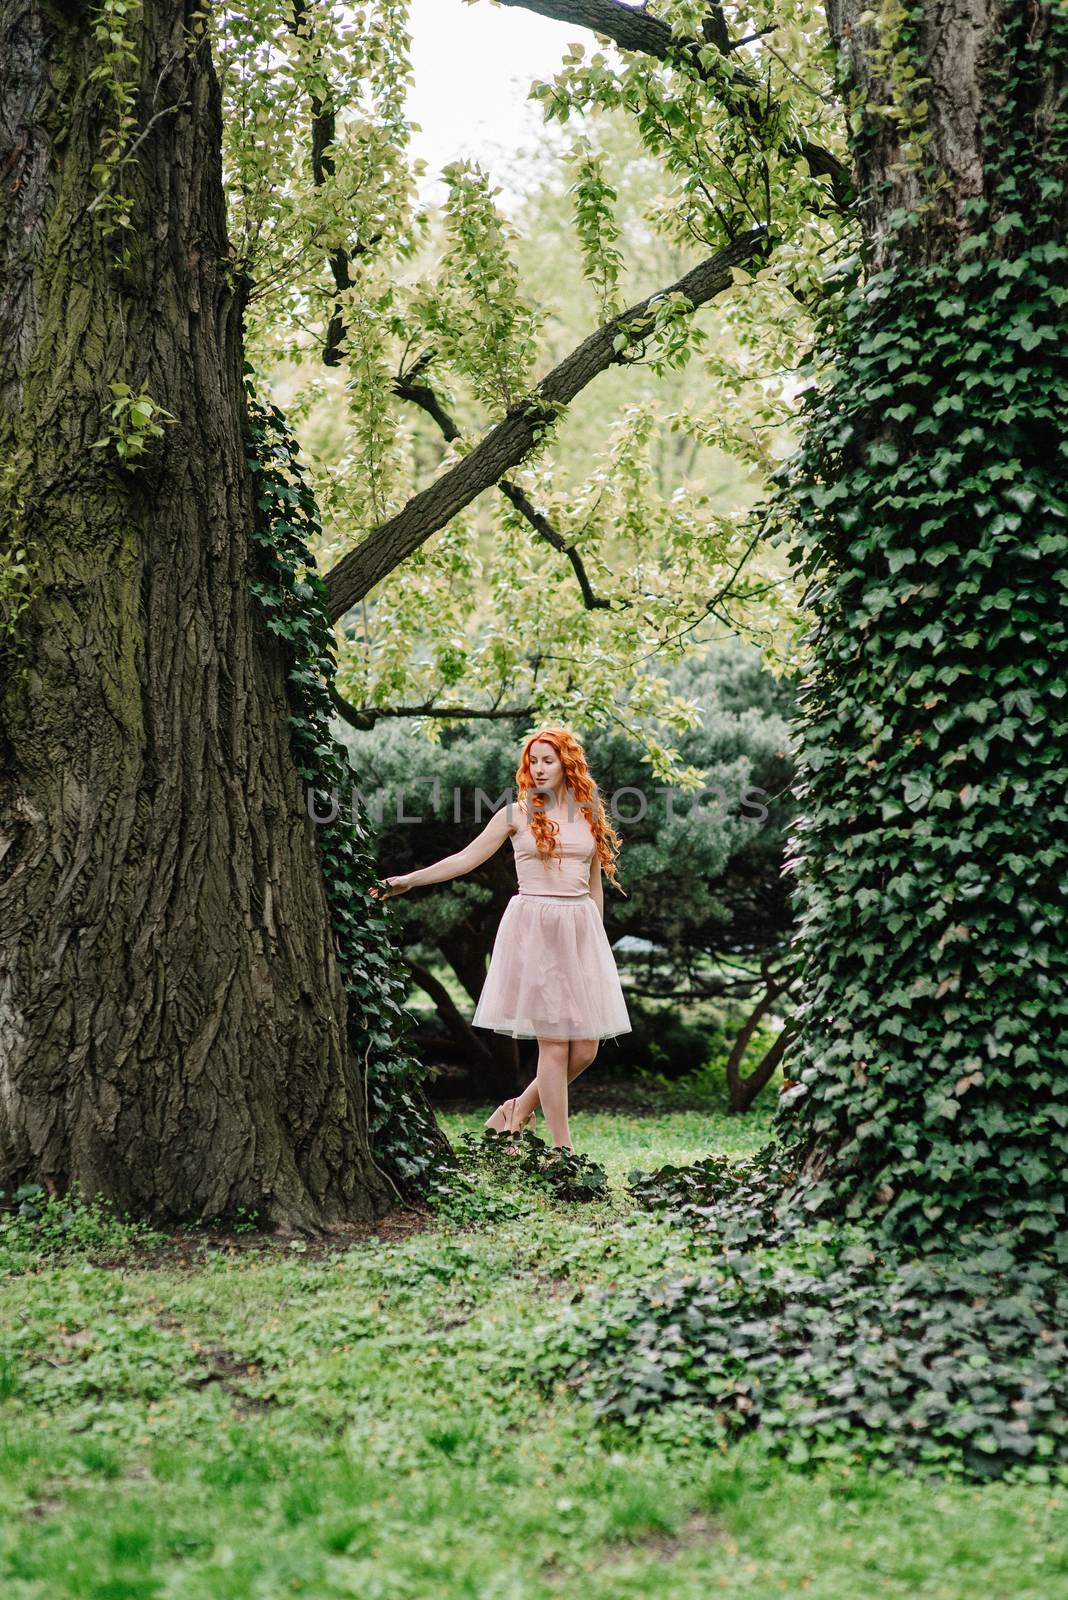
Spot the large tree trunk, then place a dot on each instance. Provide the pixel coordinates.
(172, 1021)
(954, 48)
(932, 850)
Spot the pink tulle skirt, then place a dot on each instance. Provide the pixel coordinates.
(552, 974)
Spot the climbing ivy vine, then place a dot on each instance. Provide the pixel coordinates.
(926, 509)
(115, 25)
(404, 1136)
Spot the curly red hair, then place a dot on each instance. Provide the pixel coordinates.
(578, 781)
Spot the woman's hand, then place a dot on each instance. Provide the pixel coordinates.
(388, 887)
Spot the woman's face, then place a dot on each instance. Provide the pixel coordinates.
(546, 768)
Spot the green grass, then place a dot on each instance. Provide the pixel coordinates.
(620, 1143)
(366, 1424)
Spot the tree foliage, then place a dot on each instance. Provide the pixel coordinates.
(349, 268)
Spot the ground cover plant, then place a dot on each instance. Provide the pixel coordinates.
(950, 1365)
(281, 1417)
(836, 1346)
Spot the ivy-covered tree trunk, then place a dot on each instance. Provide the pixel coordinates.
(172, 1020)
(932, 849)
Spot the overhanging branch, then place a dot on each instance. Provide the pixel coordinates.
(364, 717)
(422, 395)
(505, 445)
(324, 134)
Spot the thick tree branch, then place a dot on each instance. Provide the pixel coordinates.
(541, 524)
(715, 30)
(774, 988)
(364, 717)
(741, 1092)
(506, 444)
(636, 30)
(422, 395)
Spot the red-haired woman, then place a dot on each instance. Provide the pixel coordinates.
(552, 975)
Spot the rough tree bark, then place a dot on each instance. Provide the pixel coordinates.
(172, 1021)
(958, 42)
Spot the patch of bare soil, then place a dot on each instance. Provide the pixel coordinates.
(224, 1368)
(37, 1510)
(696, 1530)
(186, 1246)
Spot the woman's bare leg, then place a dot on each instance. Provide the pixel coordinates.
(552, 1088)
(581, 1053)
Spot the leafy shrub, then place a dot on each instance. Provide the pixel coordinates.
(467, 1200)
(947, 1367)
(664, 1044)
(704, 1087)
(731, 1198)
(489, 1183)
(570, 1176)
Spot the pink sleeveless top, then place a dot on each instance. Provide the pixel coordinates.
(567, 873)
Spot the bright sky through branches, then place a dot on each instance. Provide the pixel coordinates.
(473, 68)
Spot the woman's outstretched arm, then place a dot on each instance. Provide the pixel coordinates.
(480, 849)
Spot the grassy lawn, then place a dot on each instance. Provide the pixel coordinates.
(209, 1420)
